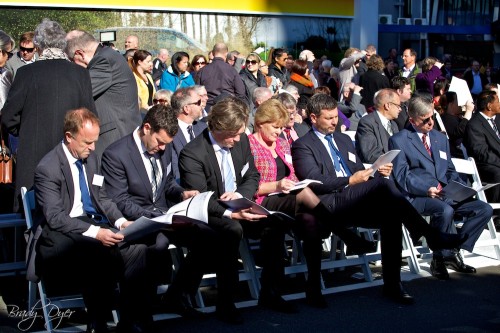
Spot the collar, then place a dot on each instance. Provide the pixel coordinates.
(71, 158)
(215, 145)
(409, 69)
(138, 142)
(486, 117)
(383, 119)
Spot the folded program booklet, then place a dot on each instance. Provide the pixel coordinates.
(459, 192)
(244, 203)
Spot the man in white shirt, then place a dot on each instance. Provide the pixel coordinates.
(410, 68)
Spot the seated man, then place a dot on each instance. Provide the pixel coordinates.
(374, 130)
(138, 173)
(421, 170)
(220, 160)
(353, 197)
(351, 106)
(79, 243)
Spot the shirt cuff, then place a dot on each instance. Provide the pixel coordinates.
(119, 222)
(92, 231)
(227, 213)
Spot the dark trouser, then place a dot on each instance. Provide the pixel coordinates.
(475, 212)
(377, 203)
(94, 269)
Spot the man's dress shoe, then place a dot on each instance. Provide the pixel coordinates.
(181, 306)
(316, 299)
(456, 262)
(438, 269)
(276, 302)
(396, 292)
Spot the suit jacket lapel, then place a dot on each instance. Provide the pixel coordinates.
(488, 127)
(322, 152)
(137, 161)
(66, 170)
(382, 133)
(415, 140)
(213, 161)
(439, 162)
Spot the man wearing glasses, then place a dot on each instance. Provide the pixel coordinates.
(26, 55)
(421, 170)
(374, 130)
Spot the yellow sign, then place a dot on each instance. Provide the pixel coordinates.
(337, 8)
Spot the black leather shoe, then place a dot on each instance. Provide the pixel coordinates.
(397, 293)
(276, 302)
(181, 306)
(438, 240)
(456, 262)
(316, 299)
(229, 314)
(438, 269)
(362, 247)
(96, 326)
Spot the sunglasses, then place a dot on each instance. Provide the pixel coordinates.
(426, 120)
(26, 49)
(253, 62)
(201, 62)
(198, 102)
(161, 100)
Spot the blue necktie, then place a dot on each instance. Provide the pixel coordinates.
(88, 207)
(227, 171)
(337, 158)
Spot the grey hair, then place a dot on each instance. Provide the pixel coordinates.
(292, 89)
(163, 94)
(260, 92)
(419, 106)
(6, 40)
(181, 97)
(78, 40)
(49, 34)
(326, 63)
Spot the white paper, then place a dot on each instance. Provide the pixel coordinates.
(384, 159)
(462, 89)
(299, 185)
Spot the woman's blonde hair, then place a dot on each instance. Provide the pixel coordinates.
(271, 111)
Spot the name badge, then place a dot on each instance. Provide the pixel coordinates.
(98, 180)
(169, 168)
(352, 157)
(443, 155)
(288, 158)
(244, 170)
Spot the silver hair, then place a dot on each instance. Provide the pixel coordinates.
(163, 94)
(292, 89)
(49, 34)
(326, 63)
(78, 40)
(261, 92)
(6, 40)
(419, 106)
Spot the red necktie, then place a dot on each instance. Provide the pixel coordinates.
(424, 141)
(288, 136)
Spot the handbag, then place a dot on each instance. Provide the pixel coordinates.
(6, 163)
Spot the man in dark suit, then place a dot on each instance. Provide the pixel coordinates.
(79, 243)
(38, 100)
(482, 141)
(113, 86)
(186, 103)
(421, 170)
(129, 177)
(374, 130)
(220, 160)
(347, 190)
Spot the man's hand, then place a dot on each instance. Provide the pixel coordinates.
(126, 224)
(189, 194)
(385, 170)
(433, 192)
(360, 176)
(108, 237)
(246, 214)
(229, 196)
(284, 185)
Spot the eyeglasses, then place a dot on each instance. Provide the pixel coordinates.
(253, 62)
(426, 120)
(397, 105)
(26, 49)
(198, 102)
(201, 63)
(161, 101)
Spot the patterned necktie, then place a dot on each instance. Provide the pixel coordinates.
(288, 136)
(495, 128)
(191, 133)
(155, 176)
(227, 172)
(337, 157)
(389, 128)
(88, 207)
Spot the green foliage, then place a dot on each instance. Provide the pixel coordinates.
(69, 19)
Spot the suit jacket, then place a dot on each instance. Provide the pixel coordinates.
(37, 102)
(180, 141)
(372, 139)
(115, 94)
(483, 144)
(300, 128)
(54, 193)
(128, 184)
(414, 170)
(311, 160)
(200, 170)
(469, 78)
(372, 81)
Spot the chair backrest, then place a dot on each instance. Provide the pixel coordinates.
(28, 198)
(352, 135)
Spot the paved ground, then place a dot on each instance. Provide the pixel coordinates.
(465, 303)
